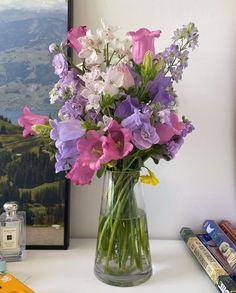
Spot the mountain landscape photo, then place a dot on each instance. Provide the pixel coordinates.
(27, 174)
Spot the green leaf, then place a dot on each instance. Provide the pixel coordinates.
(101, 171)
(89, 125)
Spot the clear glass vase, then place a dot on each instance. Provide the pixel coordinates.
(122, 253)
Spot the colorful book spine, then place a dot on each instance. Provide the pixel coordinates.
(217, 274)
(214, 250)
(225, 245)
(229, 230)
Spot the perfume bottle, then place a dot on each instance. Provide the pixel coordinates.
(12, 232)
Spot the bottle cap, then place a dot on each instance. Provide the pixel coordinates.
(11, 206)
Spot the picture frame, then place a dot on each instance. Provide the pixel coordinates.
(27, 174)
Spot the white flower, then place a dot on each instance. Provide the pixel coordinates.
(93, 88)
(53, 94)
(117, 77)
(106, 32)
(164, 116)
(105, 123)
(93, 102)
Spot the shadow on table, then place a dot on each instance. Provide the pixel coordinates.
(168, 268)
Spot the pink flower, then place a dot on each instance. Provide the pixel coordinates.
(73, 36)
(127, 78)
(167, 131)
(118, 141)
(28, 119)
(80, 174)
(92, 150)
(143, 41)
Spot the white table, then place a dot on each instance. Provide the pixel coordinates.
(71, 271)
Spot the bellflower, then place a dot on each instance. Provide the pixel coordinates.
(28, 119)
(63, 164)
(158, 89)
(73, 36)
(144, 134)
(119, 140)
(92, 150)
(167, 130)
(136, 120)
(66, 155)
(143, 41)
(127, 107)
(80, 174)
(145, 137)
(66, 130)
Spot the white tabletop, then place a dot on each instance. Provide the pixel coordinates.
(71, 271)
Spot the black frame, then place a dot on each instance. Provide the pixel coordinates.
(67, 189)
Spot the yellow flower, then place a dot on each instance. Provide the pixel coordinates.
(149, 179)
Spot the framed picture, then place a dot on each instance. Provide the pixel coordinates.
(26, 76)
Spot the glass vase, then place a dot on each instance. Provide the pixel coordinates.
(122, 252)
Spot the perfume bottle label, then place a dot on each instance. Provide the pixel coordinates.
(9, 238)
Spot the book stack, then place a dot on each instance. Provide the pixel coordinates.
(215, 250)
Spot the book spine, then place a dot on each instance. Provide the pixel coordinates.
(214, 250)
(225, 245)
(213, 269)
(229, 230)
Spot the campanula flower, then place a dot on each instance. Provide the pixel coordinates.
(167, 130)
(73, 36)
(66, 130)
(92, 150)
(80, 174)
(143, 41)
(127, 107)
(28, 119)
(119, 140)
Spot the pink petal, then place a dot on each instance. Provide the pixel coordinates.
(80, 174)
(165, 132)
(73, 35)
(28, 119)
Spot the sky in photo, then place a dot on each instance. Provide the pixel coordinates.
(33, 5)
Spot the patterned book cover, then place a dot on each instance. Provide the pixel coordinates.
(226, 246)
(214, 270)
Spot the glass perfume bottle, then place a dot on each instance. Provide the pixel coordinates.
(12, 232)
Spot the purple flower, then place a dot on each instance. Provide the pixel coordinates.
(68, 149)
(188, 129)
(145, 137)
(158, 89)
(73, 108)
(144, 134)
(66, 155)
(63, 164)
(173, 146)
(170, 53)
(127, 107)
(93, 116)
(188, 32)
(135, 121)
(65, 130)
(60, 65)
(66, 88)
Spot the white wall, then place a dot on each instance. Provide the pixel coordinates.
(200, 182)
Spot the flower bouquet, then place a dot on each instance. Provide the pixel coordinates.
(119, 110)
